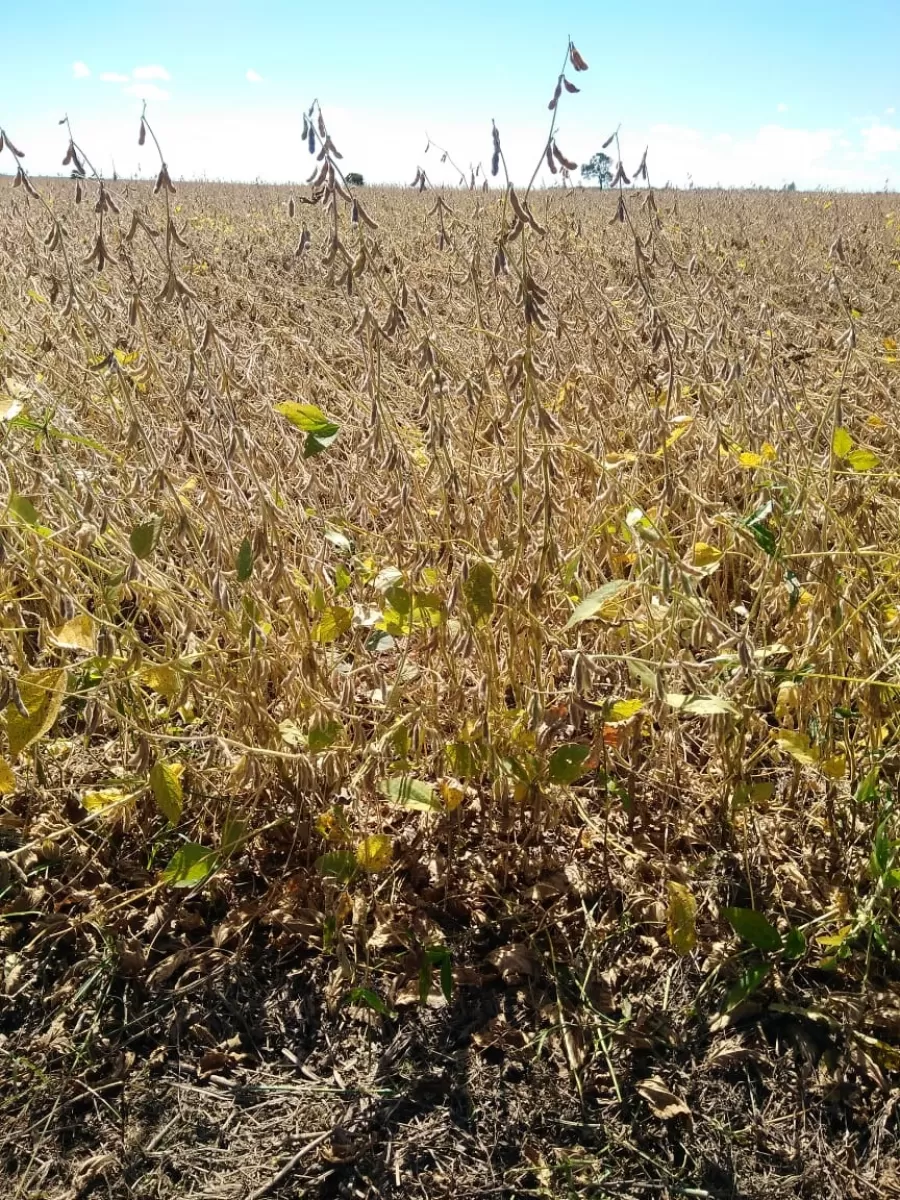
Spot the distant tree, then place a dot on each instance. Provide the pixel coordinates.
(355, 179)
(598, 169)
(790, 187)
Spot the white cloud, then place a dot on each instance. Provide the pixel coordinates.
(782, 107)
(890, 110)
(113, 77)
(146, 91)
(881, 139)
(253, 76)
(389, 148)
(80, 70)
(152, 72)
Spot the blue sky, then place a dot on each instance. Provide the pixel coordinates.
(758, 93)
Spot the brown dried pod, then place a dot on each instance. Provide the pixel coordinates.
(364, 216)
(570, 87)
(305, 134)
(78, 191)
(516, 205)
(609, 141)
(2, 141)
(556, 95)
(562, 160)
(575, 58)
(291, 207)
(160, 180)
(550, 163)
(415, 182)
(323, 132)
(620, 176)
(17, 182)
(70, 154)
(495, 163)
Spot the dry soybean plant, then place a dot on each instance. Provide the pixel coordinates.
(510, 561)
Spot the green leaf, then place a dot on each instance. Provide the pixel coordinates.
(245, 561)
(307, 417)
(599, 603)
(643, 674)
(364, 995)
(315, 444)
(408, 792)
(42, 695)
(143, 537)
(165, 780)
(754, 928)
(190, 865)
(337, 864)
(567, 763)
(462, 759)
(747, 983)
(334, 622)
(234, 834)
(841, 442)
(479, 589)
(23, 510)
(323, 736)
(795, 944)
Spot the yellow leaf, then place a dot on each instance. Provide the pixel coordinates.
(452, 793)
(748, 459)
(334, 622)
(375, 853)
(77, 634)
(841, 442)
(165, 780)
(862, 460)
(42, 695)
(623, 710)
(161, 679)
(768, 451)
(682, 918)
(797, 746)
(103, 798)
(706, 557)
(875, 422)
(787, 700)
(7, 778)
(835, 767)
